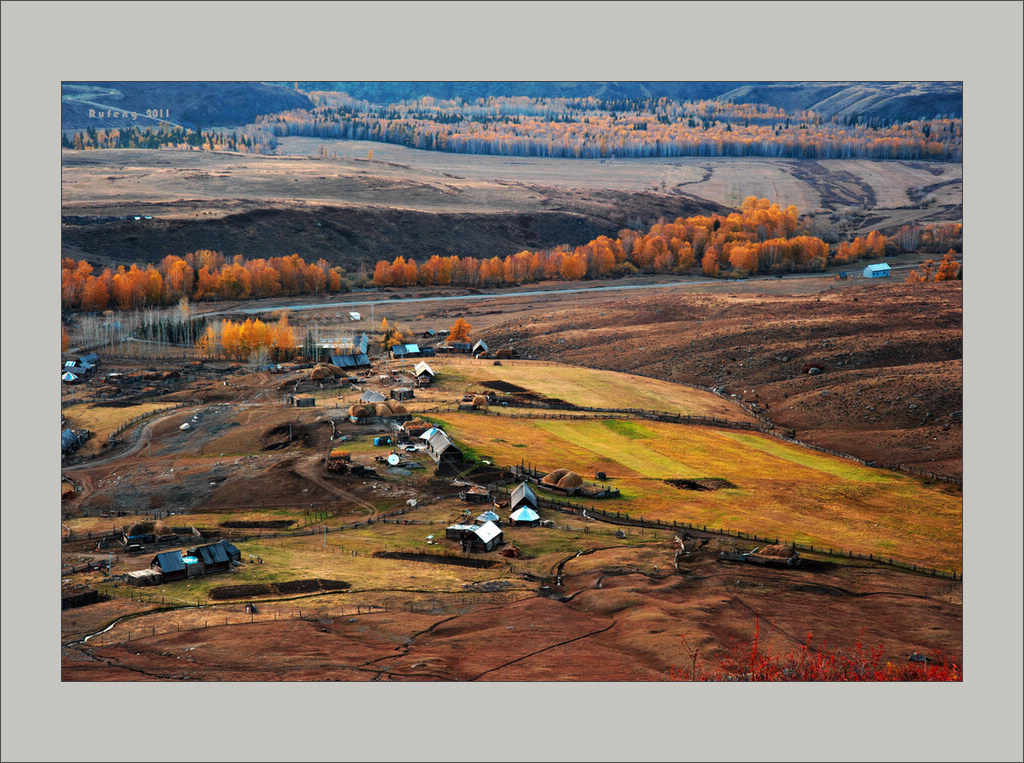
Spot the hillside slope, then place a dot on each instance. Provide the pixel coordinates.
(891, 386)
(189, 104)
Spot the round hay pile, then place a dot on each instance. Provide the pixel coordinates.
(398, 409)
(335, 370)
(360, 411)
(147, 528)
(570, 480)
(479, 402)
(551, 478)
(781, 551)
(382, 409)
(320, 372)
(416, 427)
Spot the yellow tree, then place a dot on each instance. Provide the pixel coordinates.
(460, 331)
(389, 335)
(947, 268)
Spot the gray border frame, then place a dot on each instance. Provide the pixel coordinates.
(976, 42)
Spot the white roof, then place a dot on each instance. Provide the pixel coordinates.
(878, 266)
(421, 367)
(354, 316)
(429, 433)
(525, 514)
(488, 532)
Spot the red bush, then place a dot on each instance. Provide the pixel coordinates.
(811, 664)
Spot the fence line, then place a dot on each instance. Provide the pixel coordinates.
(128, 424)
(623, 518)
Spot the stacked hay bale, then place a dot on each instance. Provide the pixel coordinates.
(361, 411)
(382, 409)
(480, 402)
(563, 479)
(569, 481)
(397, 409)
(320, 372)
(551, 478)
(416, 427)
(781, 551)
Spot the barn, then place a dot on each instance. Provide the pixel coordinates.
(371, 397)
(171, 565)
(878, 270)
(523, 495)
(423, 372)
(443, 450)
(357, 360)
(401, 393)
(214, 557)
(406, 351)
(480, 348)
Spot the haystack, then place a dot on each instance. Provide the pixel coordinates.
(319, 373)
(335, 370)
(398, 409)
(416, 427)
(551, 478)
(149, 528)
(781, 551)
(341, 455)
(360, 411)
(479, 402)
(382, 409)
(570, 480)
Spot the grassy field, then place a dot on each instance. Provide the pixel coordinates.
(588, 387)
(102, 421)
(780, 489)
(347, 555)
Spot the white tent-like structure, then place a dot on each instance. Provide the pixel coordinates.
(524, 516)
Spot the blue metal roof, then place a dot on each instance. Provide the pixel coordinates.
(170, 561)
(68, 439)
(215, 553)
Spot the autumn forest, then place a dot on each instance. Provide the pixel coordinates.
(761, 238)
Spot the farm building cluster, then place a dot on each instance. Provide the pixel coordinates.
(485, 532)
(169, 566)
(79, 369)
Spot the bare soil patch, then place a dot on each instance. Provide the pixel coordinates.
(617, 616)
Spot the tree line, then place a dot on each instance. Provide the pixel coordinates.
(761, 238)
(585, 128)
(591, 128)
(199, 275)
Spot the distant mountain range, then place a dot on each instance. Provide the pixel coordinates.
(230, 104)
(189, 104)
(883, 101)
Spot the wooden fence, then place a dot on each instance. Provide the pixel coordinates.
(623, 518)
(129, 424)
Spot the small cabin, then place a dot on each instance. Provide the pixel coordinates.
(460, 532)
(485, 538)
(878, 270)
(401, 393)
